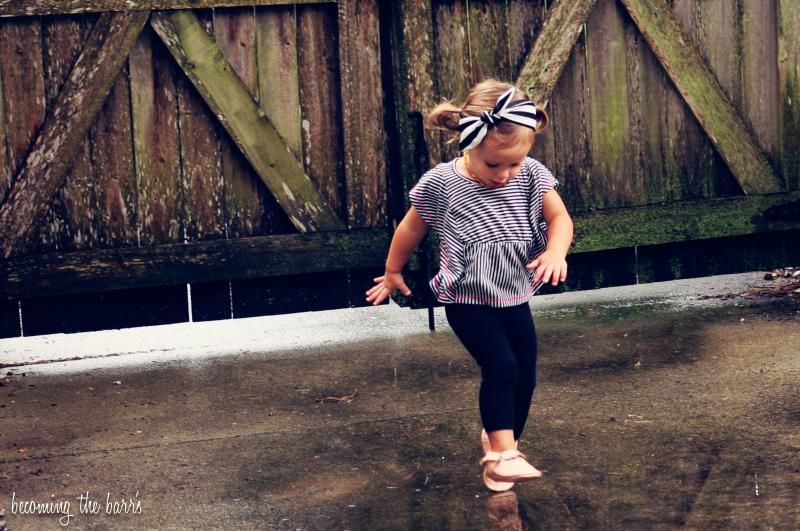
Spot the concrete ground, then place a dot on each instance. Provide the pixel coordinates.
(659, 406)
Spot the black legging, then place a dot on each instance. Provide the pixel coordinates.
(503, 342)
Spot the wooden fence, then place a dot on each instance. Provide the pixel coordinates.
(260, 150)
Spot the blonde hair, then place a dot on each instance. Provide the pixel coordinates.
(483, 97)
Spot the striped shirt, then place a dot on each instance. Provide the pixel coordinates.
(486, 235)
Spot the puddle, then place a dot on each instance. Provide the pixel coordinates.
(644, 417)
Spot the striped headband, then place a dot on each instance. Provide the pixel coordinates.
(474, 128)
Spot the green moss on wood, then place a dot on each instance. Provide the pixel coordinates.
(789, 67)
(685, 221)
(608, 100)
(703, 94)
(204, 63)
(552, 48)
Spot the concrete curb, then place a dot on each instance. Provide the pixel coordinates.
(279, 334)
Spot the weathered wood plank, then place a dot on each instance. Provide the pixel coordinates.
(201, 162)
(364, 140)
(278, 76)
(761, 90)
(789, 66)
(284, 100)
(524, 23)
(412, 43)
(607, 83)
(693, 167)
(18, 8)
(69, 219)
(681, 160)
(544, 148)
(66, 126)
(22, 72)
(488, 38)
(235, 33)
(114, 173)
(715, 27)
(5, 165)
(550, 53)
(155, 140)
(453, 64)
(87, 271)
(170, 264)
(640, 111)
(696, 168)
(203, 61)
(658, 111)
(319, 105)
(705, 97)
(671, 152)
(247, 201)
(683, 221)
(525, 20)
(569, 111)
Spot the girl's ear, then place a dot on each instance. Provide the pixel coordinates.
(543, 120)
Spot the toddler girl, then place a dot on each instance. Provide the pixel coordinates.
(503, 231)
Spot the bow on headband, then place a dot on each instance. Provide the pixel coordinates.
(474, 128)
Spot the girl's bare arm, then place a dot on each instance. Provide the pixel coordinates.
(406, 238)
(551, 265)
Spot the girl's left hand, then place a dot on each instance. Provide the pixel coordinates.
(549, 267)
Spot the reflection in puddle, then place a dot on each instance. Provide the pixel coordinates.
(503, 510)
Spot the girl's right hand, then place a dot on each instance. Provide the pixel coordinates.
(385, 286)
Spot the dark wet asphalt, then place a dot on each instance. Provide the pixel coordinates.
(645, 417)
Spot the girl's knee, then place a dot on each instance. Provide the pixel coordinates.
(501, 372)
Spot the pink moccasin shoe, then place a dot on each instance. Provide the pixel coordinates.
(489, 461)
(510, 466)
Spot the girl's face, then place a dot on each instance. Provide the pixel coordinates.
(494, 162)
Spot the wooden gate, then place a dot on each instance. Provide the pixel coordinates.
(148, 145)
(671, 121)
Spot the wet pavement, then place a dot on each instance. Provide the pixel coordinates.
(663, 411)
